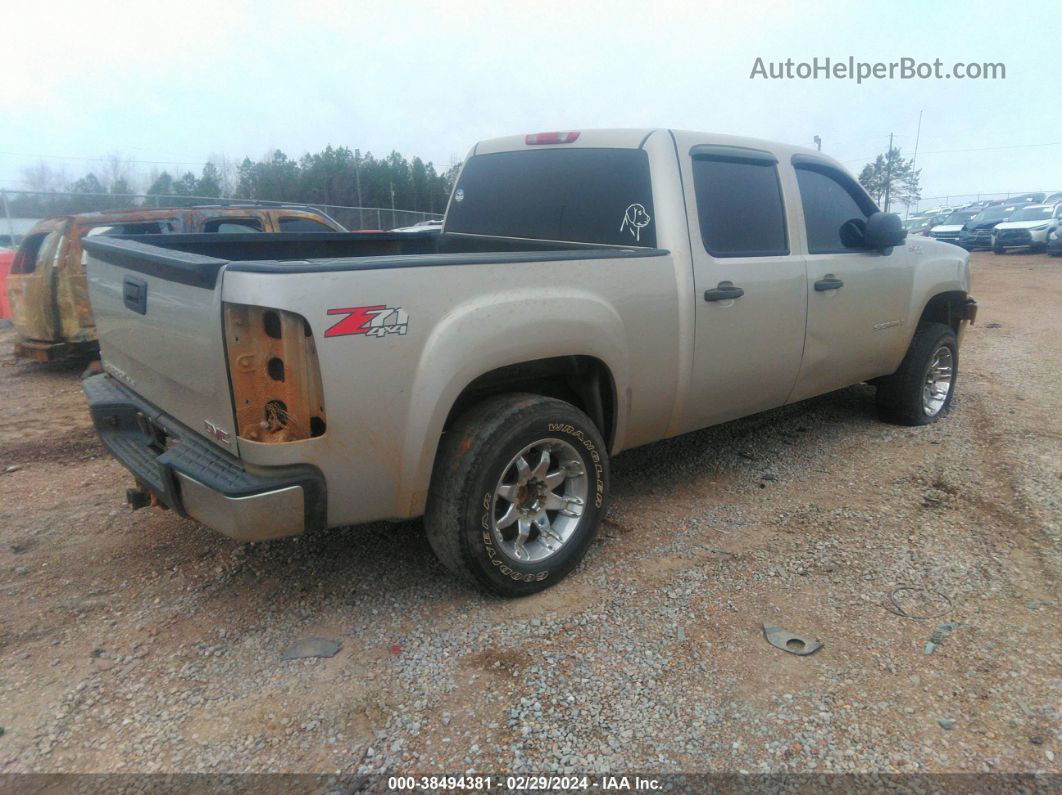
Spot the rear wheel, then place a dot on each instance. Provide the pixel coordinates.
(519, 488)
(920, 391)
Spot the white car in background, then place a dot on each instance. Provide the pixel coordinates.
(1027, 228)
(949, 227)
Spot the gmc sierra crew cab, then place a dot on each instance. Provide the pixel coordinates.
(590, 292)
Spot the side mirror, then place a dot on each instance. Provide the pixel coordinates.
(884, 230)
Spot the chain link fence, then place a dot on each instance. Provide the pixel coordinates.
(22, 208)
(955, 200)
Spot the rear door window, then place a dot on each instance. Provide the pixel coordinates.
(160, 227)
(295, 224)
(225, 226)
(569, 195)
(739, 206)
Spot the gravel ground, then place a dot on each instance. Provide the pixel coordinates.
(143, 642)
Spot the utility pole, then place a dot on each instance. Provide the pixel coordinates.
(918, 136)
(393, 224)
(818, 143)
(888, 173)
(357, 180)
(10, 225)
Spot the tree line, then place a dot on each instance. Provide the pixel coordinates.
(334, 175)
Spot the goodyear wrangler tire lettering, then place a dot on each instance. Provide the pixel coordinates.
(519, 487)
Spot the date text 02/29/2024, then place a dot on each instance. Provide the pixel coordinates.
(524, 783)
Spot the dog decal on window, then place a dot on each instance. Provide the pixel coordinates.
(635, 219)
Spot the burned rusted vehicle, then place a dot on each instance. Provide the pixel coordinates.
(46, 288)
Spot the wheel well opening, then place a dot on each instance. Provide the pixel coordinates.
(945, 308)
(583, 381)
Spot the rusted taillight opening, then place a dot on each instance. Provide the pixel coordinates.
(276, 378)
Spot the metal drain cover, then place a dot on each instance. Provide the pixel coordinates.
(787, 641)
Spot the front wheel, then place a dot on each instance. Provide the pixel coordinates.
(518, 490)
(920, 391)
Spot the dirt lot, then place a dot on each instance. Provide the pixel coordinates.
(143, 642)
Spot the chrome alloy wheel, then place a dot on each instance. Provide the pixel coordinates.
(938, 381)
(539, 500)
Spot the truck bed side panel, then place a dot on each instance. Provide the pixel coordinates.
(388, 396)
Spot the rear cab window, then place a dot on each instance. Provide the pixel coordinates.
(581, 195)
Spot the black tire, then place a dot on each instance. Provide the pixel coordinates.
(998, 250)
(899, 396)
(474, 454)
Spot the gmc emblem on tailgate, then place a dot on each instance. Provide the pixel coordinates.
(214, 432)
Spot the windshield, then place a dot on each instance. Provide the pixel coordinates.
(914, 223)
(574, 195)
(959, 218)
(993, 214)
(1031, 214)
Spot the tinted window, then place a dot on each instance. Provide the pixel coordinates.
(226, 226)
(577, 195)
(958, 218)
(830, 200)
(739, 206)
(303, 225)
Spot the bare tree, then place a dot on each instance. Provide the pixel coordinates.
(227, 173)
(42, 177)
(116, 169)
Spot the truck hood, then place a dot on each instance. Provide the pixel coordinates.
(946, 228)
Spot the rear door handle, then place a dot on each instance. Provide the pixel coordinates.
(723, 292)
(828, 282)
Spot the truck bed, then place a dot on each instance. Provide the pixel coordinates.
(196, 259)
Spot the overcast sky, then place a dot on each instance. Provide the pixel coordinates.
(180, 81)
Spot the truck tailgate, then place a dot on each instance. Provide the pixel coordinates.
(159, 318)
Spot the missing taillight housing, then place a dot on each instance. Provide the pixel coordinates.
(276, 378)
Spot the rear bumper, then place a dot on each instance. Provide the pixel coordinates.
(187, 473)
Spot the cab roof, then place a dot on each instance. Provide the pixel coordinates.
(635, 138)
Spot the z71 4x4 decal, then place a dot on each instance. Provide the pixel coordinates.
(373, 321)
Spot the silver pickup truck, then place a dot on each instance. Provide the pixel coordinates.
(590, 292)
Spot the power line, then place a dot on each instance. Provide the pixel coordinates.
(103, 159)
(972, 149)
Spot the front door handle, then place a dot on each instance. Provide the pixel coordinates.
(828, 282)
(723, 292)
